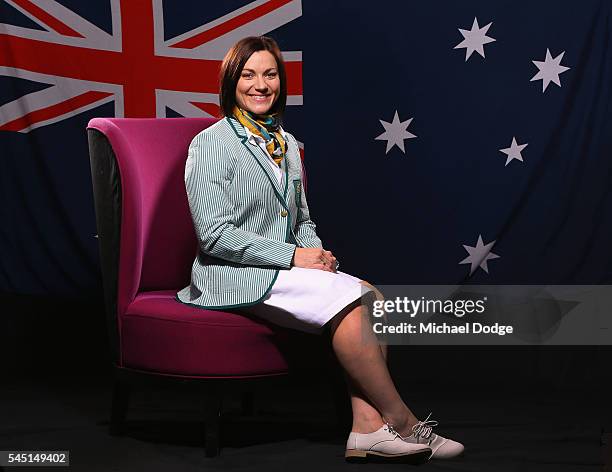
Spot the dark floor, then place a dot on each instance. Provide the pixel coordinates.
(516, 409)
(291, 430)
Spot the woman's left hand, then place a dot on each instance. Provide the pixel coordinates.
(329, 260)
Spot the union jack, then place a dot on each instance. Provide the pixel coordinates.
(134, 67)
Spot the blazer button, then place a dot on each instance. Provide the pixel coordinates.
(283, 213)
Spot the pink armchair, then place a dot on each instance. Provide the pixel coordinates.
(147, 245)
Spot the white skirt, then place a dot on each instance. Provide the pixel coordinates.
(306, 299)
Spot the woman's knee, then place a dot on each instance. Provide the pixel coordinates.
(374, 295)
(375, 292)
(349, 314)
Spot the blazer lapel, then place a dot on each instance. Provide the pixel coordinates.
(261, 158)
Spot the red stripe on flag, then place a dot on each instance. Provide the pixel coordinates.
(52, 22)
(138, 44)
(229, 25)
(294, 77)
(54, 111)
(168, 73)
(211, 108)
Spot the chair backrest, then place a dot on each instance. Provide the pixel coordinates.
(157, 242)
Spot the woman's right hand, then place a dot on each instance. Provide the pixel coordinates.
(314, 258)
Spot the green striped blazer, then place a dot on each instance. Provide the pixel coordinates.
(247, 224)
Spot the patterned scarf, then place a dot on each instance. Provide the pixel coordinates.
(266, 127)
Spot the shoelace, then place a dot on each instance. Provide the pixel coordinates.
(391, 430)
(424, 428)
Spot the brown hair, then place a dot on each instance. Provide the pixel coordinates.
(234, 62)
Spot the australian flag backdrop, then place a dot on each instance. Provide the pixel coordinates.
(445, 141)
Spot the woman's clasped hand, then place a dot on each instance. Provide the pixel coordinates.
(314, 258)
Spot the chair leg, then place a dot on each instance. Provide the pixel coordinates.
(119, 406)
(212, 423)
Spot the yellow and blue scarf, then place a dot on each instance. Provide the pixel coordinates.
(266, 127)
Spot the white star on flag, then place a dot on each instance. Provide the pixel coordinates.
(514, 151)
(474, 39)
(550, 69)
(395, 133)
(479, 255)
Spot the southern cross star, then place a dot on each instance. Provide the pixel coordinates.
(514, 151)
(479, 255)
(474, 39)
(550, 69)
(395, 133)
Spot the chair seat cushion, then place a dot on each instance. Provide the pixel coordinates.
(162, 335)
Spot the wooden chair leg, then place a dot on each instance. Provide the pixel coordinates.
(119, 406)
(212, 422)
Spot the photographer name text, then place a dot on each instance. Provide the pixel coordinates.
(442, 328)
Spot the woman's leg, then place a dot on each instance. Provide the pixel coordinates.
(359, 353)
(366, 418)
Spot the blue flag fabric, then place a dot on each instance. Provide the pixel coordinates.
(508, 177)
(446, 142)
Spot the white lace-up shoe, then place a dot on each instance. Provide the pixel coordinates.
(441, 448)
(384, 445)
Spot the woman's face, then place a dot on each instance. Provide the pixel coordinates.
(259, 83)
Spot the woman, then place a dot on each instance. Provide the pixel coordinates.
(259, 251)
